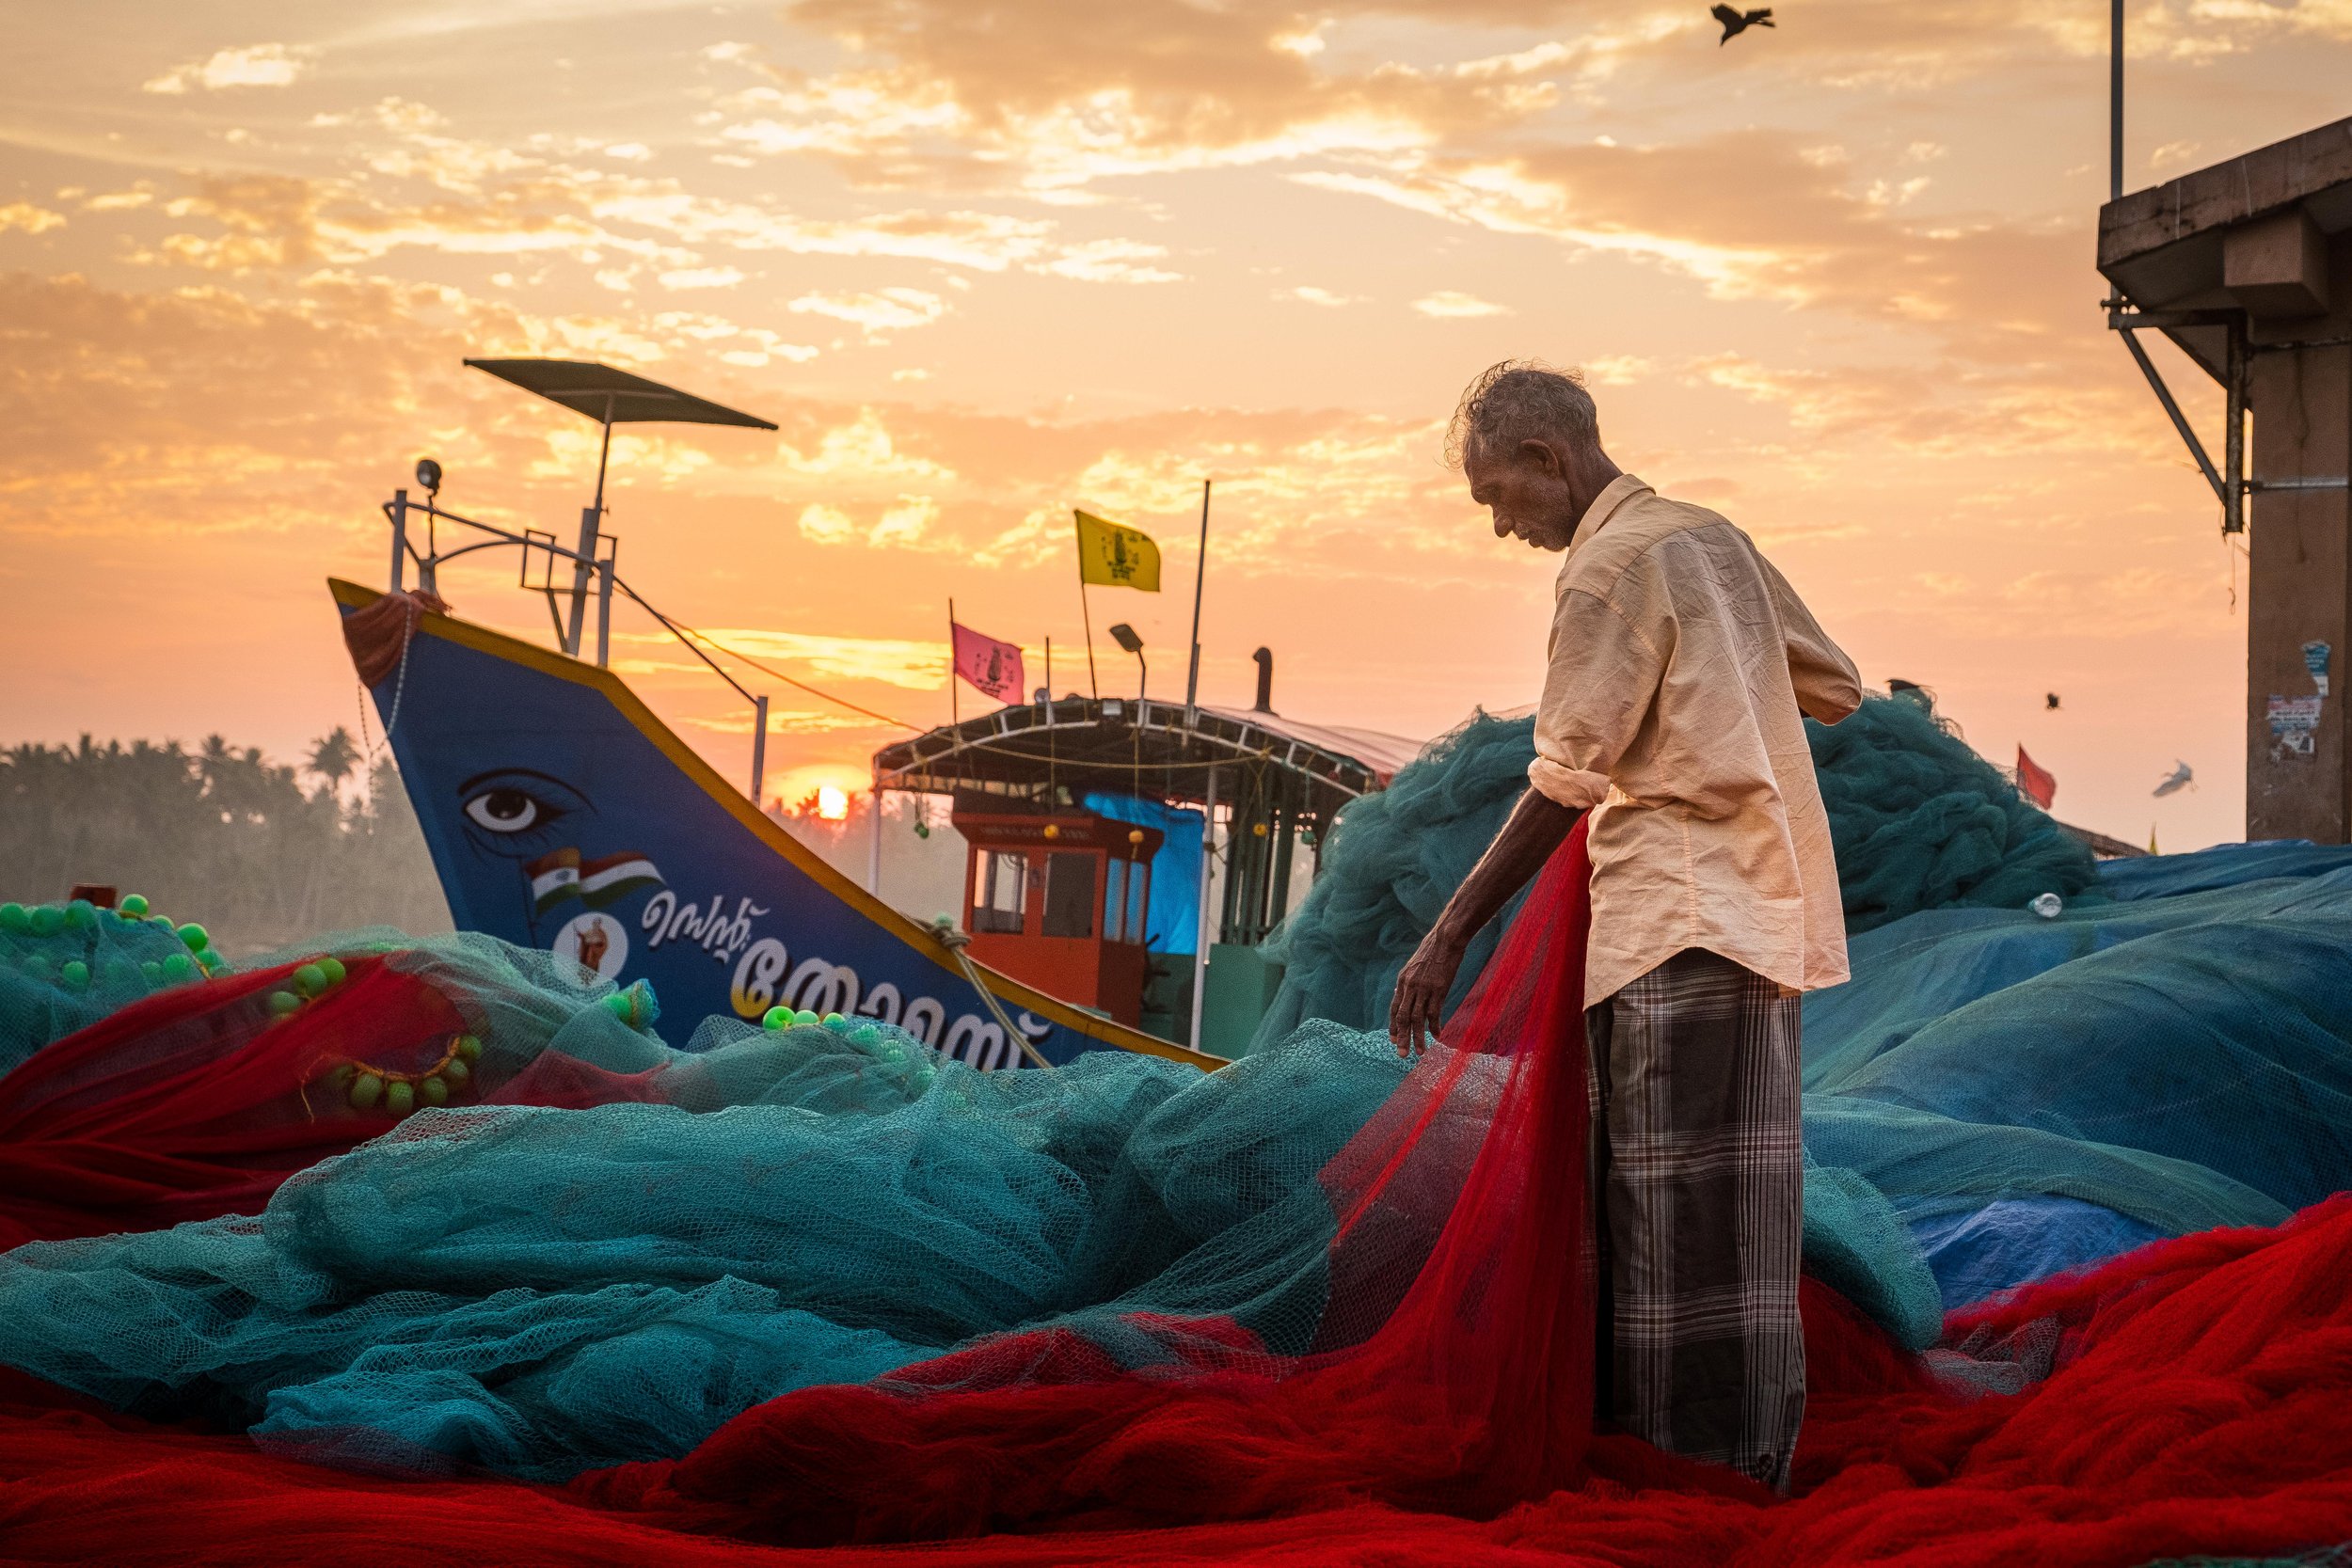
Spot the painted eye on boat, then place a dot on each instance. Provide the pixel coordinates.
(507, 810)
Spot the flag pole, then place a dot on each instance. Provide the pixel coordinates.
(1086, 612)
(1200, 570)
(952, 717)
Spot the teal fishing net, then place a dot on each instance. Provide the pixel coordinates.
(1919, 822)
(542, 1290)
(65, 966)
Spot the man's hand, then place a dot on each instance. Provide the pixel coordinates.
(1419, 1004)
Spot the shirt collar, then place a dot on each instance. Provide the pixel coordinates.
(1618, 491)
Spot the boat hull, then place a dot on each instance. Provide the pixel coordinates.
(563, 816)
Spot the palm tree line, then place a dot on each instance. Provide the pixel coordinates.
(262, 853)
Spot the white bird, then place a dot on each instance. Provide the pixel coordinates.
(2179, 779)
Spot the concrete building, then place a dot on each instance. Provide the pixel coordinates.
(2247, 267)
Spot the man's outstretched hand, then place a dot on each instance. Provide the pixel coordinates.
(1419, 1004)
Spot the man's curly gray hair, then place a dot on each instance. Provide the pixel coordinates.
(1521, 400)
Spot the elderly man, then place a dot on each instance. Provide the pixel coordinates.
(1679, 664)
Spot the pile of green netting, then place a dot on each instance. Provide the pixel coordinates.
(1919, 821)
(65, 966)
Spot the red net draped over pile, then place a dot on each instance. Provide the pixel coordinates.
(1451, 1369)
(199, 1100)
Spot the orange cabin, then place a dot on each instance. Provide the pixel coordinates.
(1055, 896)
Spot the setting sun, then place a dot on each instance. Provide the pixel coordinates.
(833, 803)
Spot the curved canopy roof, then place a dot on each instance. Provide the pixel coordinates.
(1140, 748)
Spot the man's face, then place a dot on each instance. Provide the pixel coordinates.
(1528, 492)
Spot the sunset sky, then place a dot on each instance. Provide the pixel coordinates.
(983, 261)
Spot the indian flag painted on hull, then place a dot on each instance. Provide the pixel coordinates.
(554, 880)
(561, 875)
(610, 878)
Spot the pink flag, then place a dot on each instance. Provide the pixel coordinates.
(991, 666)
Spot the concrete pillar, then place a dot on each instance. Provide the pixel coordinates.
(2298, 769)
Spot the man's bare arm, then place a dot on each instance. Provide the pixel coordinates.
(1537, 826)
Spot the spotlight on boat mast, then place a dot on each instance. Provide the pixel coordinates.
(429, 475)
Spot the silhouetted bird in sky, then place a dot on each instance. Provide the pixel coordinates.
(1736, 22)
(2050, 698)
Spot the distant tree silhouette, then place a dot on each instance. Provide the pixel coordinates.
(219, 835)
(333, 757)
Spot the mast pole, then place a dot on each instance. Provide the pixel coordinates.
(399, 510)
(1199, 571)
(2115, 98)
(759, 745)
(873, 837)
(952, 710)
(1200, 936)
(589, 519)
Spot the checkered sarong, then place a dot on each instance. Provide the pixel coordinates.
(1698, 1177)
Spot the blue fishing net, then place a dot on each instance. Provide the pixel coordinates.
(2179, 1060)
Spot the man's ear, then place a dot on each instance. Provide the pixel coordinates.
(1539, 456)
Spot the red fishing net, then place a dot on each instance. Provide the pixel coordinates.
(2194, 1397)
(199, 1100)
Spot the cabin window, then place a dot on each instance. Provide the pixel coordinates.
(1003, 888)
(1115, 901)
(1139, 898)
(1069, 895)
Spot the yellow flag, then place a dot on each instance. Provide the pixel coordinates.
(1117, 556)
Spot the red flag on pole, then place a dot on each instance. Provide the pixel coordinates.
(2034, 782)
(991, 666)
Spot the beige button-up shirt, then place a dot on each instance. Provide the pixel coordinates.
(1679, 663)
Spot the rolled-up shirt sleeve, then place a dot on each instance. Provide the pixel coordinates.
(1598, 686)
(1827, 684)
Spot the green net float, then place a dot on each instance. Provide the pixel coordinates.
(776, 1018)
(81, 916)
(338, 1079)
(455, 1069)
(179, 969)
(469, 1048)
(399, 1098)
(334, 971)
(74, 975)
(366, 1090)
(803, 1018)
(212, 961)
(195, 936)
(310, 980)
(133, 906)
(119, 973)
(151, 971)
(47, 919)
(833, 1020)
(163, 923)
(38, 966)
(284, 1003)
(620, 1007)
(15, 919)
(434, 1091)
(864, 1036)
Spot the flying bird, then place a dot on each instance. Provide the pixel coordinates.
(1736, 22)
(2180, 778)
(2049, 700)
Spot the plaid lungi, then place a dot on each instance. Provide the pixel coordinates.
(1698, 1180)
